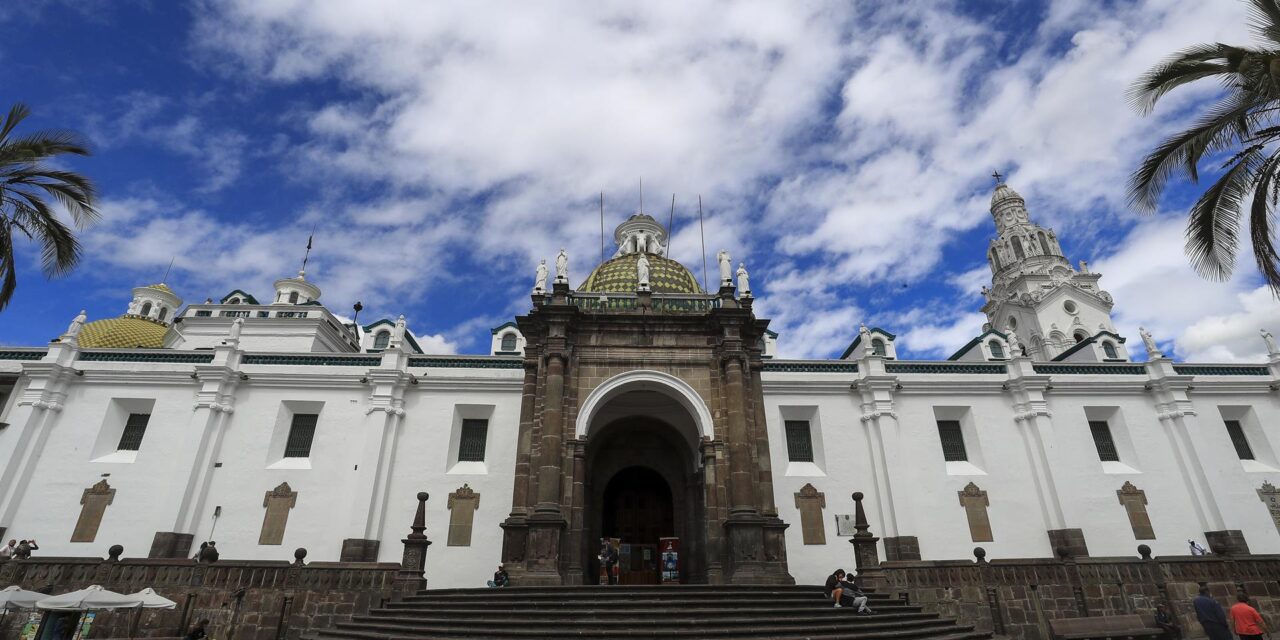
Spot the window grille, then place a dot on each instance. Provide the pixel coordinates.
(799, 441)
(509, 342)
(1109, 350)
(1243, 450)
(877, 347)
(471, 445)
(382, 340)
(264, 314)
(1102, 439)
(204, 313)
(301, 433)
(293, 297)
(134, 429)
(291, 314)
(952, 441)
(146, 309)
(997, 351)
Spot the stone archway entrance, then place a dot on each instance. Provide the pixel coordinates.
(641, 485)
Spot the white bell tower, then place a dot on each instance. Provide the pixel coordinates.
(1056, 310)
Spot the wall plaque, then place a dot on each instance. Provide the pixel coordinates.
(277, 502)
(462, 514)
(1135, 504)
(975, 503)
(93, 503)
(811, 502)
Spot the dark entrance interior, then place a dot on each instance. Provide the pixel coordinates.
(641, 486)
(637, 509)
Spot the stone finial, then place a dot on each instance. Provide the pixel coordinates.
(980, 555)
(114, 553)
(419, 525)
(299, 555)
(1144, 552)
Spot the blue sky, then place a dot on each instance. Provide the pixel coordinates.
(842, 150)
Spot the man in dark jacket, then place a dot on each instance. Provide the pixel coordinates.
(1211, 616)
(609, 560)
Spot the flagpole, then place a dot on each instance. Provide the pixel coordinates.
(703, 234)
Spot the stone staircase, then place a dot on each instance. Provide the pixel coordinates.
(692, 611)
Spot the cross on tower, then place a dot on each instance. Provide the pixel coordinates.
(997, 176)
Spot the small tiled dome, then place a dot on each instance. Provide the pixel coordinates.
(619, 276)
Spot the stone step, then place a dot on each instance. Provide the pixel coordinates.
(764, 609)
(864, 627)
(639, 602)
(613, 617)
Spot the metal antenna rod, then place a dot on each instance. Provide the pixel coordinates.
(166, 271)
(702, 232)
(601, 227)
(641, 194)
(307, 255)
(671, 219)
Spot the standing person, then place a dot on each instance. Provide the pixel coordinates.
(197, 632)
(24, 549)
(1165, 621)
(1245, 620)
(1211, 616)
(609, 560)
(8, 550)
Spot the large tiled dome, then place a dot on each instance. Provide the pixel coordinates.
(125, 332)
(619, 276)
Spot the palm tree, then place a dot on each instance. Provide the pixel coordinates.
(1242, 129)
(26, 182)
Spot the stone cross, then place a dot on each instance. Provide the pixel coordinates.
(93, 503)
(1271, 495)
(811, 502)
(1134, 501)
(462, 513)
(975, 503)
(277, 502)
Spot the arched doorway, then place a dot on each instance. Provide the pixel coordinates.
(642, 483)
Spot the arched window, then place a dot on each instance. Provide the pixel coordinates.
(1080, 337)
(997, 351)
(146, 309)
(293, 297)
(164, 311)
(1044, 243)
(995, 259)
(381, 340)
(1109, 350)
(877, 347)
(234, 301)
(508, 341)
(1017, 249)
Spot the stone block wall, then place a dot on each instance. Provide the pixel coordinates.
(1018, 597)
(243, 600)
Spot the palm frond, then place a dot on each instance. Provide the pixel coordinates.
(8, 268)
(1260, 231)
(1213, 226)
(1264, 19)
(42, 146)
(17, 113)
(1189, 65)
(1219, 128)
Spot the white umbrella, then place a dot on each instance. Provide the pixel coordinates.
(18, 598)
(93, 597)
(152, 600)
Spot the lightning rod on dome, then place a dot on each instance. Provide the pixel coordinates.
(703, 234)
(671, 220)
(166, 270)
(641, 194)
(307, 256)
(601, 227)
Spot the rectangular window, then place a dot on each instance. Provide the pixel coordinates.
(301, 432)
(203, 313)
(1103, 441)
(952, 441)
(474, 435)
(134, 429)
(264, 314)
(235, 314)
(799, 441)
(1243, 450)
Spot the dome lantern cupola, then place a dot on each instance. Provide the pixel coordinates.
(295, 290)
(156, 302)
(640, 234)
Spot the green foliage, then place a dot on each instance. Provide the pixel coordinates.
(1244, 124)
(28, 184)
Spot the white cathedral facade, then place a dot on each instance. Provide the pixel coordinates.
(635, 406)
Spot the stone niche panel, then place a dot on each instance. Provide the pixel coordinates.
(811, 502)
(975, 503)
(93, 505)
(277, 503)
(1134, 501)
(462, 514)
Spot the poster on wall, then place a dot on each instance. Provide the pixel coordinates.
(31, 627)
(670, 554)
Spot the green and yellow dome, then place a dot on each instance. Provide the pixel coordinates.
(125, 332)
(619, 276)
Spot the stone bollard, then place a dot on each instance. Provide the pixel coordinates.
(866, 556)
(411, 577)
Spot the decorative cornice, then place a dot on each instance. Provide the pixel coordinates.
(1091, 369)
(1221, 370)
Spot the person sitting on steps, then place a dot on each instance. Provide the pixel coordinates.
(851, 590)
(500, 578)
(844, 593)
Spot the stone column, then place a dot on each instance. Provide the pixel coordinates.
(714, 520)
(741, 482)
(192, 466)
(576, 546)
(547, 524)
(515, 529)
(1178, 418)
(32, 418)
(1031, 413)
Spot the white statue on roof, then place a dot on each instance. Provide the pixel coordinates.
(864, 334)
(642, 272)
(397, 334)
(1015, 347)
(76, 325)
(540, 280)
(1153, 350)
(744, 284)
(233, 336)
(562, 267)
(1272, 349)
(726, 268)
